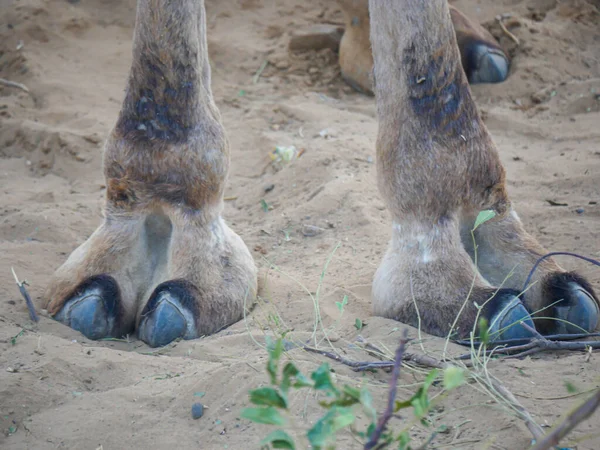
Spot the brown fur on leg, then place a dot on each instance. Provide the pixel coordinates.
(168, 144)
(356, 59)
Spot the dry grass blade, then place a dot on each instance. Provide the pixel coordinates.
(13, 84)
(577, 416)
(508, 33)
(524, 415)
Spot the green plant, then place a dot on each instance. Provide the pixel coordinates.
(341, 405)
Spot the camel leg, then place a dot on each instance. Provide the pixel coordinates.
(166, 163)
(435, 160)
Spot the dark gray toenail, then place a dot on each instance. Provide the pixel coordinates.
(94, 308)
(506, 322)
(88, 316)
(581, 313)
(163, 324)
(491, 66)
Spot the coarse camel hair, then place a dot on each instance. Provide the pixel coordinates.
(165, 264)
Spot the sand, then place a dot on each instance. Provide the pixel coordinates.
(60, 390)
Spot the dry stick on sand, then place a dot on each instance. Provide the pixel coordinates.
(21, 284)
(538, 344)
(389, 410)
(578, 415)
(361, 366)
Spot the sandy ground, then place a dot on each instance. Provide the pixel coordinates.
(59, 390)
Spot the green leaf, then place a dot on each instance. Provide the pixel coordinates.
(420, 404)
(402, 405)
(268, 415)
(571, 388)
(483, 217)
(404, 440)
(371, 429)
(322, 379)
(321, 431)
(267, 396)
(13, 340)
(429, 379)
(326, 427)
(453, 377)
(264, 205)
(358, 324)
(349, 397)
(293, 377)
(12, 429)
(340, 305)
(366, 400)
(279, 439)
(351, 392)
(344, 417)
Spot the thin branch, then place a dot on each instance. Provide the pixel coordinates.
(577, 416)
(335, 357)
(518, 341)
(21, 284)
(389, 411)
(361, 366)
(538, 345)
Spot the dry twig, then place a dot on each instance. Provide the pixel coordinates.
(21, 284)
(539, 344)
(389, 410)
